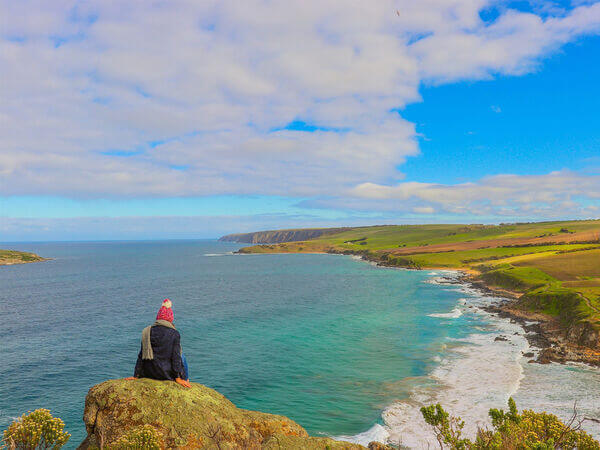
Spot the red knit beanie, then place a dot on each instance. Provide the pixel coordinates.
(165, 312)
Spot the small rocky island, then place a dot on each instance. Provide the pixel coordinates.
(10, 257)
(198, 417)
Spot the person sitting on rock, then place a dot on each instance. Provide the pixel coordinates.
(160, 357)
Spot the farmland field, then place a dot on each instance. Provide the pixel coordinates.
(583, 265)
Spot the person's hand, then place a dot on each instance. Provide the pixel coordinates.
(131, 378)
(182, 382)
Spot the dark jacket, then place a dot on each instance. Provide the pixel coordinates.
(166, 364)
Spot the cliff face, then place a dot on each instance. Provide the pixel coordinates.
(277, 236)
(198, 417)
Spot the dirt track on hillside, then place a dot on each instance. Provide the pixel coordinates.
(584, 236)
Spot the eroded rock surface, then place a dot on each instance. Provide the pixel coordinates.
(199, 417)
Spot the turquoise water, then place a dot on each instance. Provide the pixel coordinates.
(324, 339)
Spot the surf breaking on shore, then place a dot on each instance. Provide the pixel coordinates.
(482, 371)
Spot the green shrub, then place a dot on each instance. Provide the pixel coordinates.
(448, 429)
(145, 437)
(36, 430)
(510, 430)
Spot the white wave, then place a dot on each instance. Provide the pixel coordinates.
(439, 280)
(556, 388)
(434, 280)
(454, 314)
(479, 373)
(219, 254)
(443, 278)
(476, 376)
(377, 433)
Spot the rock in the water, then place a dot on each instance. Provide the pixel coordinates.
(198, 417)
(374, 445)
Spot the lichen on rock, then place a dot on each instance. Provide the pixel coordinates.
(198, 417)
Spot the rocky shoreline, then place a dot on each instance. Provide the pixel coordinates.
(541, 331)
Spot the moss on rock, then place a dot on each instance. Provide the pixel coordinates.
(198, 417)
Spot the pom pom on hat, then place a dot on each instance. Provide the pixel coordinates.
(167, 303)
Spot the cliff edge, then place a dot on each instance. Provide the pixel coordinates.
(278, 236)
(198, 417)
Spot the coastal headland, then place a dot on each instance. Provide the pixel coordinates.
(548, 272)
(198, 417)
(10, 257)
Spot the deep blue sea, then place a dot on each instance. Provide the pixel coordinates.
(338, 345)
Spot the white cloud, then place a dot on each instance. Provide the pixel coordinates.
(201, 86)
(557, 194)
(423, 210)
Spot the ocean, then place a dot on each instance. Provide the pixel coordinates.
(343, 347)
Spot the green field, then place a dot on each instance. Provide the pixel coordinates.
(384, 237)
(554, 265)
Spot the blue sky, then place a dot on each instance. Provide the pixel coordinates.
(194, 119)
(512, 124)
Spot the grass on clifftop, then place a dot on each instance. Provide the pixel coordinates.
(556, 262)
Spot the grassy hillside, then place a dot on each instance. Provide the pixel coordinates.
(9, 257)
(555, 265)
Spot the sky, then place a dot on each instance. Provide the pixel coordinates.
(193, 119)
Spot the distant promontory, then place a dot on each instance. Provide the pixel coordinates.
(277, 236)
(10, 257)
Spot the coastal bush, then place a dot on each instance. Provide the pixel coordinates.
(36, 430)
(447, 429)
(510, 430)
(145, 437)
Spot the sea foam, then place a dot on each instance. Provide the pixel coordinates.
(477, 374)
(472, 375)
(377, 432)
(481, 372)
(454, 314)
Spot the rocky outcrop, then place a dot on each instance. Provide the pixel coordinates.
(584, 334)
(577, 343)
(198, 417)
(277, 236)
(10, 257)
